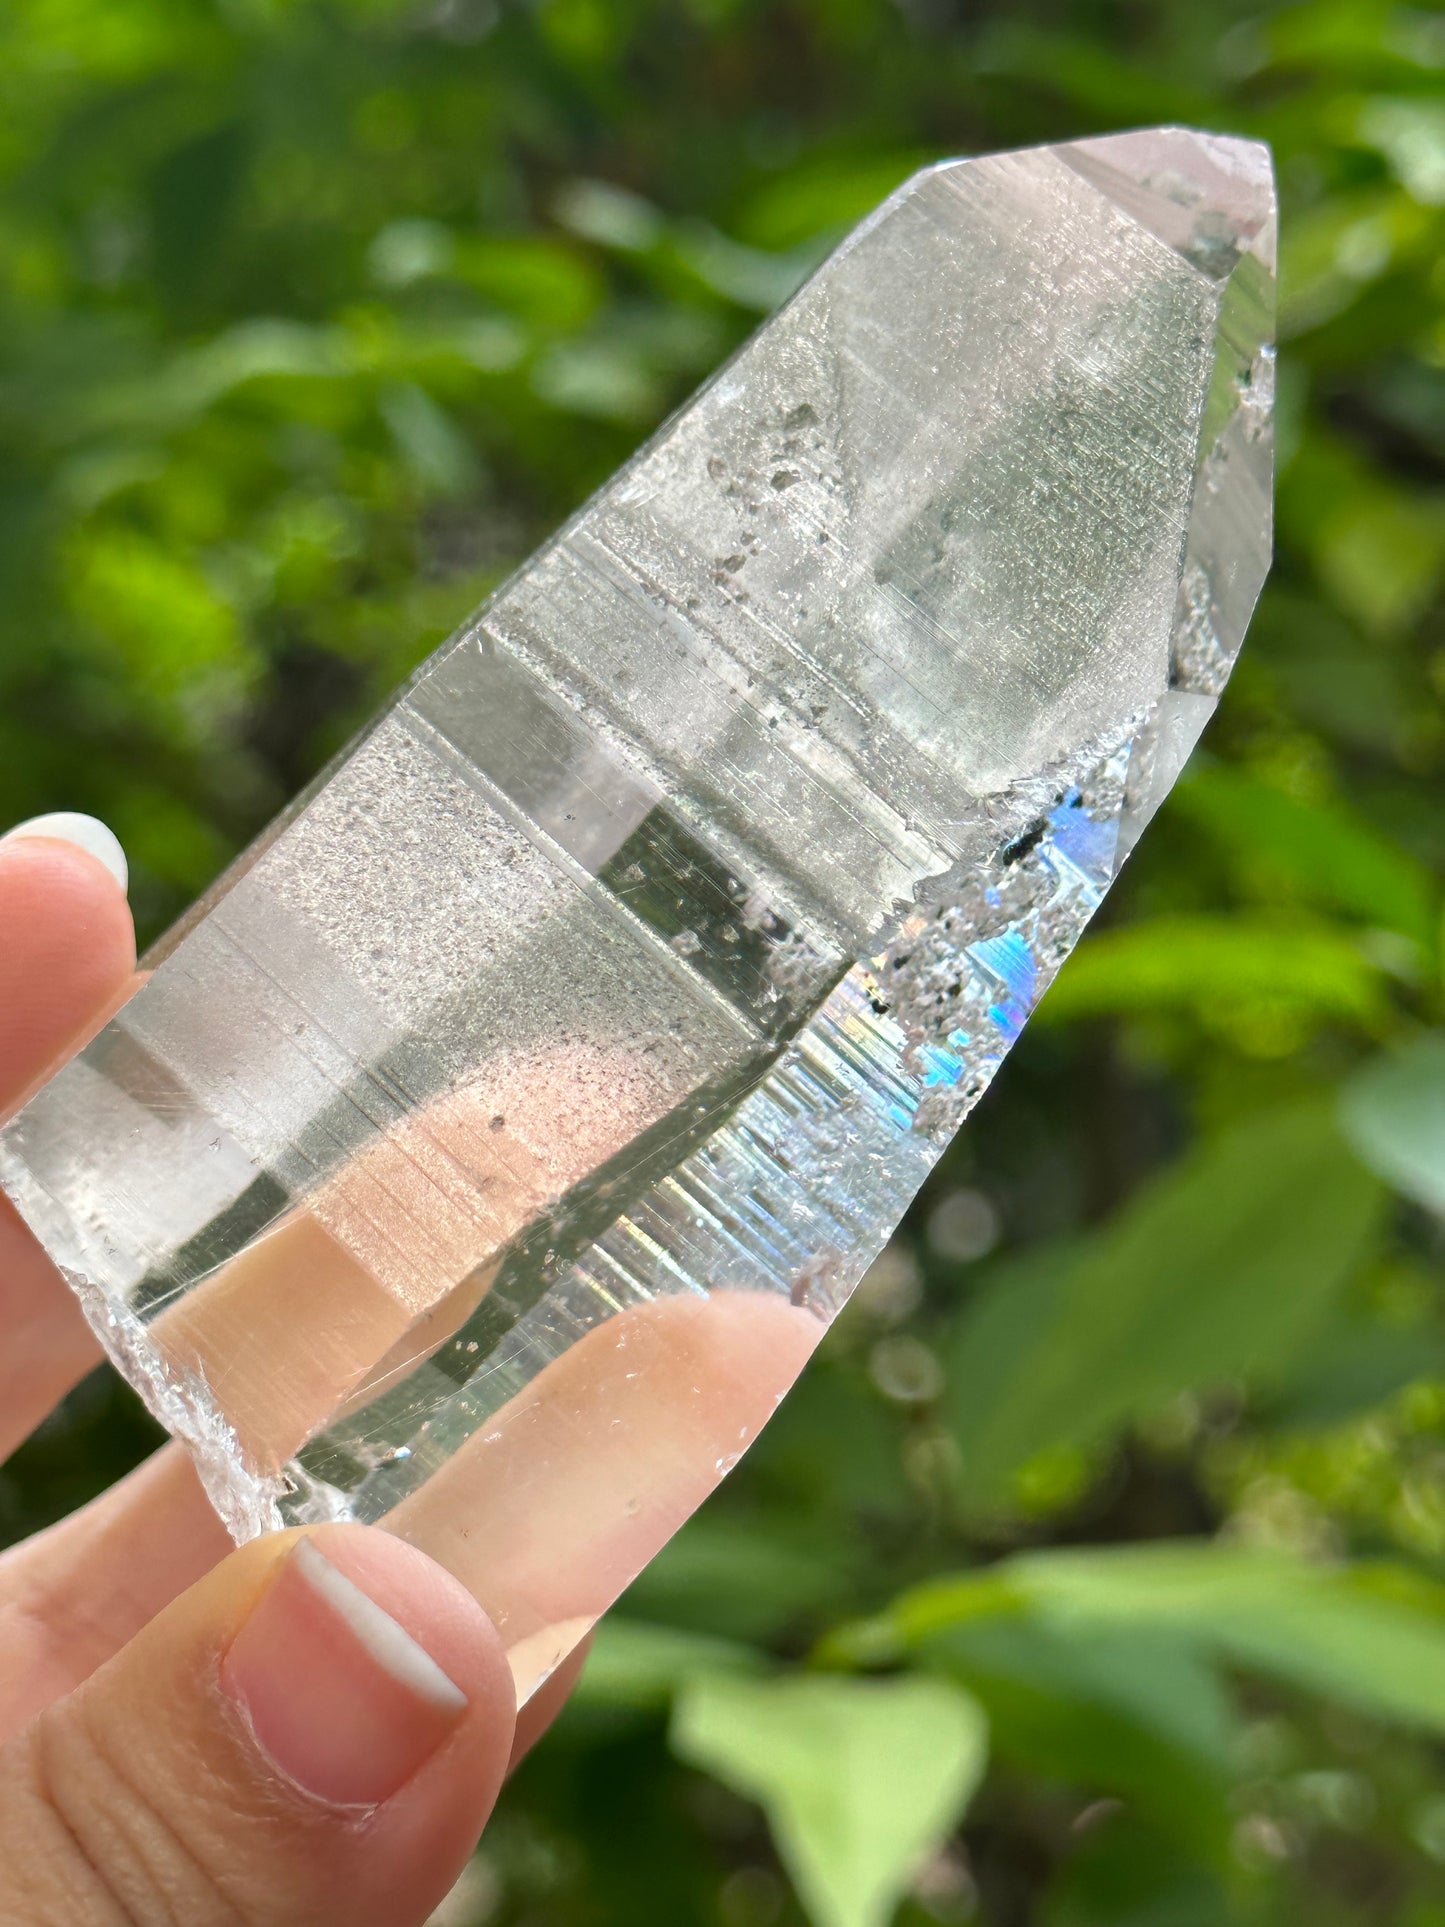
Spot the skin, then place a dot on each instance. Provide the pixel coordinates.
(130, 1788)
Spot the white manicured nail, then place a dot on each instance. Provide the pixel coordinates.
(87, 833)
(388, 1644)
(337, 1694)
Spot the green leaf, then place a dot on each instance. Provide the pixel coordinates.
(1383, 557)
(1217, 964)
(1334, 250)
(1377, 548)
(1143, 1716)
(823, 194)
(1324, 851)
(604, 379)
(153, 616)
(1355, 1363)
(1368, 1637)
(859, 1778)
(1127, 1874)
(1411, 136)
(254, 350)
(1217, 1271)
(753, 277)
(609, 215)
(438, 456)
(749, 1578)
(991, 1356)
(1393, 1112)
(407, 251)
(543, 281)
(1363, 698)
(633, 1663)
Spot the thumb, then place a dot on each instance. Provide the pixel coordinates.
(314, 1733)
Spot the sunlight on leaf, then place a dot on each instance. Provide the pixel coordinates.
(1206, 963)
(859, 1778)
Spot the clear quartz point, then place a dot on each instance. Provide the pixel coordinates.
(489, 1150)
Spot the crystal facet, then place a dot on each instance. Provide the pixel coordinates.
(488, 1152)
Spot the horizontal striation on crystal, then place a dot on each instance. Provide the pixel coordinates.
(490, 1149)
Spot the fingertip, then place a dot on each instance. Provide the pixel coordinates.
(82, 832)
(324, 1722)
(442, 1703)
(433, 1608)
(67, 957)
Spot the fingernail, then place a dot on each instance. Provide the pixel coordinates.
(338, 1695)
(87, 833)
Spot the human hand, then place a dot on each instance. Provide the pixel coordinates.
(310, 1730)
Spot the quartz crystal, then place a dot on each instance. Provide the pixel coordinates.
(488, 1152)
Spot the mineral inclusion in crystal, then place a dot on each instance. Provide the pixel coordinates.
(490, 1149)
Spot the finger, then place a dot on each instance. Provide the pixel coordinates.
(559, 1500)
(48, 1345)
(73, 1595)
(613, 1446)
(67, 955)
(68, 951)
(313, 1734)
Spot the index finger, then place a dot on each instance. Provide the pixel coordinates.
(67, 961)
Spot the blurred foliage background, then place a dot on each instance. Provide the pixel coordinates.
(1096, 1572)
